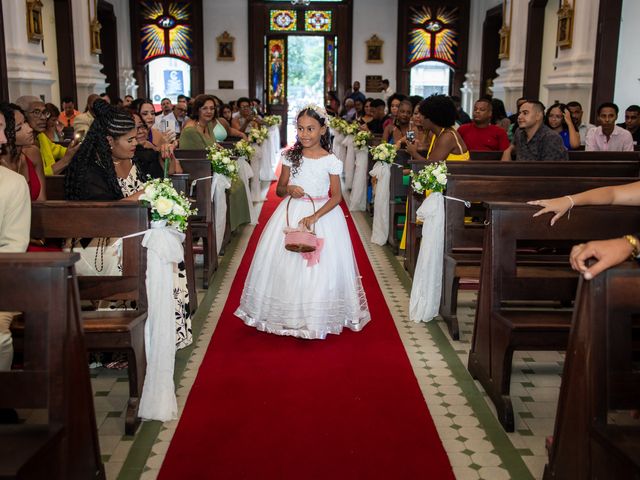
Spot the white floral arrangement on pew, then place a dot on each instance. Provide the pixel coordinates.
(432, 178)
(272, 120)
(351, 128)
(385, 152)
(166, 203)
(336, 123)
(258, 135)
(222, 163)
(243, 148)
(362, 139)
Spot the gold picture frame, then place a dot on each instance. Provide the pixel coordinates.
(505, 30)
(564, 38)
(374, 49)
(34, 21)
(225, 47)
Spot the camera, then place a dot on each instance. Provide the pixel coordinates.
(411, 136)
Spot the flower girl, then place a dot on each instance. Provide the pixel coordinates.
(306, 295)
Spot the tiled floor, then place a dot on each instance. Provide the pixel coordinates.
(476, 444)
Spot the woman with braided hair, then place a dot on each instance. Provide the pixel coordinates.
(105, 169)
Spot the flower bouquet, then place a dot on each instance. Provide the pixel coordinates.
(336, 123)
(385, 152)
(351, 128)
(258, 135)
(222, 163)
(361, 139)
(243, 148)
(166, 203)
(272, 120)
(432, 178)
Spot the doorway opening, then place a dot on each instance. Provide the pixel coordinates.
(305, 78)
(429, 78)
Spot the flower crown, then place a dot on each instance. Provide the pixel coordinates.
(321, 112)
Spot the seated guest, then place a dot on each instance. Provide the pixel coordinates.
(499, 114)
(376, 124)
(69, 112)
(54, 126)
(147, 113)
(256, 104)
(480, 134)
(533, 140)
(393, 103)
(463, 117)
(366, 112)
(398, 129)
(608, 137)
(226, 112)
(632, 122)
(359, 107)
(608, 253)
(438, 115)
(350, 110)
(180, 112)
(558, 119)
(576, 116)
(83, 121)
(205, 128)
(19, 137)
(128, 99)
(247, 119)
(333, 103)
(166, 121)
(105, 169)
(149, 159)
(514, 117)
(55, 157)
(355, 93)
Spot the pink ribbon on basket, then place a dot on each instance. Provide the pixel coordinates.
(313, 258)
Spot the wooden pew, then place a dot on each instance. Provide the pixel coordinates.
(518, 306)
(463, 241)
(599, 377)
(573, 155)
(55, 375)
(116, 330)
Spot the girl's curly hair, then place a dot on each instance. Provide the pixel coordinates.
(294, 153)
(110, 121)
(7, 110)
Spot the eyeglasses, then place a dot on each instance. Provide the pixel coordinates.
(40, 113)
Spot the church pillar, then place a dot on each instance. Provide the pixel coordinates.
(88, 76)
(128, 84)
(508, 85)
(572, 77)
(27, 69)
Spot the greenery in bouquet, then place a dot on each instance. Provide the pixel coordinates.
(243, 148)
(338, 124)
(258, 135)
(432, 178)
(166, 203)
(361, 139)
(272, 120)
(385, 152)
(222, 163)
(351, 128)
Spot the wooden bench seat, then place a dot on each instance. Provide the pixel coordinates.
(30, 451)
(510, 313)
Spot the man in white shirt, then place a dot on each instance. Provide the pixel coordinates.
(608, 137)
(386, 90)
(575, 109)
(166, 121)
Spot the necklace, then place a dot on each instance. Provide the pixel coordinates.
(118, 162)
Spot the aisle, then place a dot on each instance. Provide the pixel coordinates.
(267, 407)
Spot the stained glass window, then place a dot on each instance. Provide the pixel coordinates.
(276, 71)
(166, 29)
(433, 35)
(283, 20)
(317, 20)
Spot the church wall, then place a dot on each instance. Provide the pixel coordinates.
(549, 50)
(627, 89)
(89, 79)
(231, 16)
(51, 49)
(379, 17)
(128, 85)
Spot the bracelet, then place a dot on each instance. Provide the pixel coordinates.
(633, 241)
(573, 204)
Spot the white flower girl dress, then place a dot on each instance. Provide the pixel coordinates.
(287, 295)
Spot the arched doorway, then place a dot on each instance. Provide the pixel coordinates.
(316, 37)
(167, 47)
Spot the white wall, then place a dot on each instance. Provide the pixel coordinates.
(627, 90)
(548, 50)
(51, 49)
(379, 17)
(231, 16)
(128, 85)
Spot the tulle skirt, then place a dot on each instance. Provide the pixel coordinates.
(285, 296)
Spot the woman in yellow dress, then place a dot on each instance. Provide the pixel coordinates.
(438, 115)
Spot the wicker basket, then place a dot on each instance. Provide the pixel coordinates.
(301, 241)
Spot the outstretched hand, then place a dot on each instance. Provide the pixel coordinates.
(608, 253)
(559, 206)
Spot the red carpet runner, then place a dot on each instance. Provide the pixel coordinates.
(268, 407)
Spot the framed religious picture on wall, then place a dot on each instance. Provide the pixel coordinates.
(225, 47)
(34, 21)
(374, 49)
(565, 25)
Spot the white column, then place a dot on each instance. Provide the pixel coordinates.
(128, 85)
(88, 77)
(572, 76)
(508, 85)
(27, 69)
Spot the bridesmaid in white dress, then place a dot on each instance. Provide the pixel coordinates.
(287, 293)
